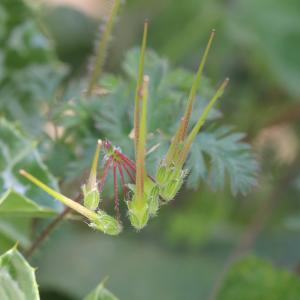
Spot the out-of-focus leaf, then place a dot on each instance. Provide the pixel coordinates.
(256, 279)
(199, 217)
(14, 204)
(29, 72)
(100, 293)
(20, 200)
(12, 230)
(17, 278)
(270, 29)
(18, 153)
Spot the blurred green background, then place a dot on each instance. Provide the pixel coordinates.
(182, 252)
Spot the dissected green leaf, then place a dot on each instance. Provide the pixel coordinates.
(227, 155)
(17, 278)
(100, 293)
(255, 279)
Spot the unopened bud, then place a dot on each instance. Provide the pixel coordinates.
(138, 213)
(154, 201)
(91, 198)
(106, 223)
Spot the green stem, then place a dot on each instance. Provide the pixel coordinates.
(189, 140)
(65, 200)
(102, 47)
(181, 131)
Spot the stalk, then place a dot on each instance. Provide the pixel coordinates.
(65, 200)
(102, 48)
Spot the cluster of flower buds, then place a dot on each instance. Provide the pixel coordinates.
(143, 201)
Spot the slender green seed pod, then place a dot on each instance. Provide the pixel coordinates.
(138, 206)
(100, 220)
(184, 122)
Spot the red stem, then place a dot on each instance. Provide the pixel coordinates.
(117, 208)
(123, 180)
(105, 173)
(128, 172)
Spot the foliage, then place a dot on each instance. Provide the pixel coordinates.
(29, 73)
(100, 293)
(255, 279)
(19, 201)
(111, 117)
(17, 278)
(18, 282)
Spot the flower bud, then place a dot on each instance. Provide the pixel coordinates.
(138, 212)
(106, 223)
(161, 174)
(154, 201)
(91, 198)
(172, 183)
(91, 195)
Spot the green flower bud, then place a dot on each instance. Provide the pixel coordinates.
(172, 184)
(138, 212)
(162, 174)
(91, 198)
(106, 223)
(154, 201)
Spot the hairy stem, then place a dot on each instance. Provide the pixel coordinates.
(102, 48)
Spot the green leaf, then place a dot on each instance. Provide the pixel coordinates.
(16, 153)
(227, 155)
(12, 230)
(14, 204)
(100, 293)
(255, 279)
(17, 278)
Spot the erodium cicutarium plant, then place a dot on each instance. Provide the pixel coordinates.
(143, 193)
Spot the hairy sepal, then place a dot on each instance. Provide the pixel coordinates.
(106, 223)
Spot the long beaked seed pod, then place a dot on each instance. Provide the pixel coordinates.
(170, 177)
(91, 195)
(184, 122)
(191, 137)
(138, 206)
(99, 220)
(138, 89)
